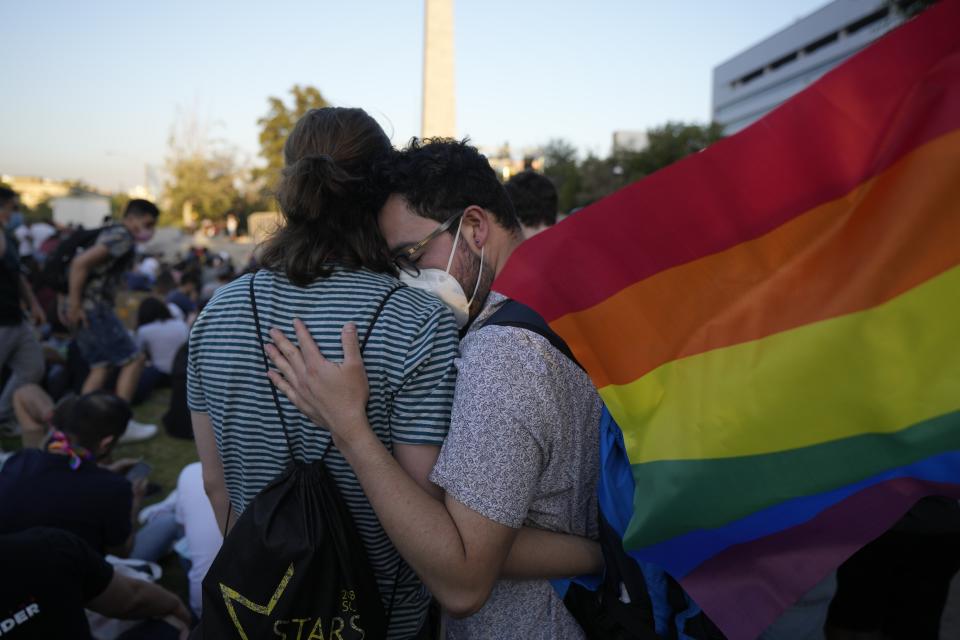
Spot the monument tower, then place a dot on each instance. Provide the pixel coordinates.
(438, 117)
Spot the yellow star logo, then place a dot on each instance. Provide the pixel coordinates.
(231, 595)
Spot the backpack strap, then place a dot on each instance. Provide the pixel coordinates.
(266, 362)
(266, 367)
(516, 314)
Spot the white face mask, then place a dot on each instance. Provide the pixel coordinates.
(440, 283)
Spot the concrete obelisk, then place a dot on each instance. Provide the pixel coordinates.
(438, 118)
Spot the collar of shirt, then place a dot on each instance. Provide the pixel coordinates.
(494, 301)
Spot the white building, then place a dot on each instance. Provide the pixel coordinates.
(86, 210)
(754, 82)
(630, 140)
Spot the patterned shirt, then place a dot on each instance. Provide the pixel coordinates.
(409, 360)
(105, 278)
(523, 450)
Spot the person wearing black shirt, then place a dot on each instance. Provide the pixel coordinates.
(63, 486)
(51, 575)
(19, 349)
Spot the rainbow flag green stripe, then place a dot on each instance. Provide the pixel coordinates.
(675, 497)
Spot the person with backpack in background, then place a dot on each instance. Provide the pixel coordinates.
(93, 277)
(19, 348)
(326, 265)
(523, 447)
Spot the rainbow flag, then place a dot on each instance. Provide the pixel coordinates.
(774, 323)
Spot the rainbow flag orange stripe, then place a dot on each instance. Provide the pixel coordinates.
(773, 325)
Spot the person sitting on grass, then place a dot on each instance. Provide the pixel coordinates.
(159, 336)
(61, 485)
(56, 574)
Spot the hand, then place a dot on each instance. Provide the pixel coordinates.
(332, 395)
(180, 620)
(76, 316)
(122, 465)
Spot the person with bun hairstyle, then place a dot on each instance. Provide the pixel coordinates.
(326, 266)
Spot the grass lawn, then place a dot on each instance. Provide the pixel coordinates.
(167, 456)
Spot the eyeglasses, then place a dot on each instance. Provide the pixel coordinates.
(405, 260)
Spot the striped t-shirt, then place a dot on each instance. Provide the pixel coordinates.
(409, 359)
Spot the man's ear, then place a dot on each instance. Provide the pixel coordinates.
(106, 444)
(477, 221)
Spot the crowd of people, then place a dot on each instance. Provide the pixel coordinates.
(459, 433)
(72, 371)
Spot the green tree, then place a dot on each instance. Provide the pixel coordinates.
(204, 176)
(276, 125)
(560, 165)
(118, 202)
(43, 212)
(665, 145)
(79, 188)
(598, 178)
(205, 185)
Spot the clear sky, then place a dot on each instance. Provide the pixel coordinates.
(92, 89)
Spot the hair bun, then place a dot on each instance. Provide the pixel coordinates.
(309, 182)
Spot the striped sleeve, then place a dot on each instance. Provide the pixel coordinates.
(196, 400)
(421, 408)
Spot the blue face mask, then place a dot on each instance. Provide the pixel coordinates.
(16, 219)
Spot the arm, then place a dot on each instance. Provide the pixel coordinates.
(418, 461)
(213, 481)
(80, 268)
(457, 552)
(129, 599)
(537, 553)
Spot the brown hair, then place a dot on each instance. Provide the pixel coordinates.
(328, 197)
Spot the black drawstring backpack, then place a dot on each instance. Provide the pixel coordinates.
(294, 565)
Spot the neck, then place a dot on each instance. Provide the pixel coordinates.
(506, 242)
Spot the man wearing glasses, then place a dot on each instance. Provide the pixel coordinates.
(522, 450)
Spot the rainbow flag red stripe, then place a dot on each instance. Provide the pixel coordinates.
(773, 325)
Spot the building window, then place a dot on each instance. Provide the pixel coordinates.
(867, 20)
(776, 64)
(822, 42)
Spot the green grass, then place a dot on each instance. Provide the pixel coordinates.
(166, 455)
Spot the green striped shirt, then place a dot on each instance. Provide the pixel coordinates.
(410, 366)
